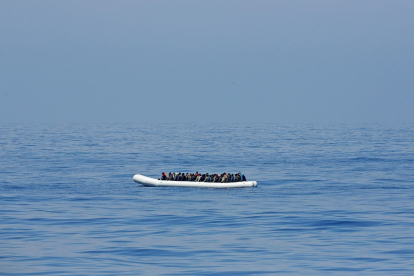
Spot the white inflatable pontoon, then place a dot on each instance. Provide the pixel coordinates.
(151, 182)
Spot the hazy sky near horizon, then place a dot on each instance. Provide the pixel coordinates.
(207, 61)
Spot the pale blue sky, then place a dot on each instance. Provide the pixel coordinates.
(207, 61)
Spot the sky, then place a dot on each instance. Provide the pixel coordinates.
(207, 61)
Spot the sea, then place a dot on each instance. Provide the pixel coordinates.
(331, 200)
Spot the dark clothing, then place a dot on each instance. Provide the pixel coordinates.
(224, 177)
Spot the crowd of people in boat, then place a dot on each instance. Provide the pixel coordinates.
(206, 177)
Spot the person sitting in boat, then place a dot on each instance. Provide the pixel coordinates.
(197, 177)
(226, 178)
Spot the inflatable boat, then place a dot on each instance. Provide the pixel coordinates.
(151, 182)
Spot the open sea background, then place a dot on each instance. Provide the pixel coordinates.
(331, 199)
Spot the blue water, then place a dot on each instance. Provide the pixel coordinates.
(332, 200)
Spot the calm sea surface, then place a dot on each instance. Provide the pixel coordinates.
(332, 199)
